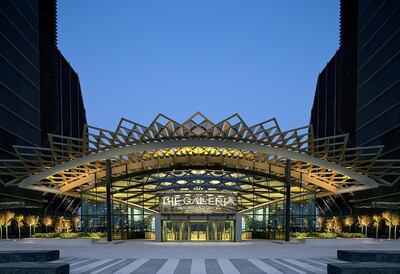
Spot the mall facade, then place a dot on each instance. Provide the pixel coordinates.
(198, 180)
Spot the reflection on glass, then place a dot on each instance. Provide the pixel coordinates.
(198, 230)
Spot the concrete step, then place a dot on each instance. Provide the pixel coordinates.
(363, 267)
(34, 268)
(29, 256)
(368, 256)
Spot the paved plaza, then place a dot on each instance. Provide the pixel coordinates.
(247, 257)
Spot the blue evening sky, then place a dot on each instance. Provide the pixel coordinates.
(258, 58)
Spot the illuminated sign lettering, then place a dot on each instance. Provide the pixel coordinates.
(198, 203)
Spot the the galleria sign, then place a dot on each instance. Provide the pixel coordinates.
(176, 200)
(199, 203)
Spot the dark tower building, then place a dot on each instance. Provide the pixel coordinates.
(366, 88)
(19, 91)
(71, 116)
(324, 110)
(48, 68)
(40, 92)
(347, 72)
(19, 75)
(333, 111)
(62, 110)
(378, 90)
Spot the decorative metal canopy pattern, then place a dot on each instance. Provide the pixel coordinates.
(327, 165)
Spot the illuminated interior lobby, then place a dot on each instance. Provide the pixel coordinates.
(198, 180)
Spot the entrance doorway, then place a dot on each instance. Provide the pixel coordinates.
(198, 230)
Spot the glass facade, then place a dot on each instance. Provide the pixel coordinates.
(19, 93)
(136, 203)
(378, 100)
(19, 75)
(269, 221)
(323, 111)
(198, 230)
(70, 113)
(21, 201)
(378, 96)
(367, 98)
(33, 102)
(128, 221)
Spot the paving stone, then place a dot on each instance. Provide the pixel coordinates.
(150, 267)
(183, 267)
(244, 266)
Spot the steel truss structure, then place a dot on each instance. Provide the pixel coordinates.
(325, 166)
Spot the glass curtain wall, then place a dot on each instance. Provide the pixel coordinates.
(268, 221)
(260, 200)
(198, 230)
(129, 220)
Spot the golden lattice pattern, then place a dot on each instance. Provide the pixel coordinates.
(334, 149)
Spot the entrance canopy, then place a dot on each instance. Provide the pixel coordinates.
(325, 166)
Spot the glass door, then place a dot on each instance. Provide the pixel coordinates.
(215, 230)
(220, 230)
(167, 231)
(175, 230)
(198, 230)
(228, 231)
(180, 229)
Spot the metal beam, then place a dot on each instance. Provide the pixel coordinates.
(287, 200)
(108, 199)
(115, 152)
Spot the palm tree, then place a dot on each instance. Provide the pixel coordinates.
(75, 221)
(395, 222)
(2, 223)
(377, 220)
(9, 216)
(388, 216)
(30, 221)
(47, 221)
(19, 219)
(349, 221)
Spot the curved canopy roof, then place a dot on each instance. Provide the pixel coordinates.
(327, 165)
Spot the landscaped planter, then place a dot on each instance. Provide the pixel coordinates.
(338, 241)
(61, 241)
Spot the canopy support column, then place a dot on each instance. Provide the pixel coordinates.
(287, 200)
(108, 198)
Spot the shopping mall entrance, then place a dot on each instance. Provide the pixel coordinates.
(198, 230)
